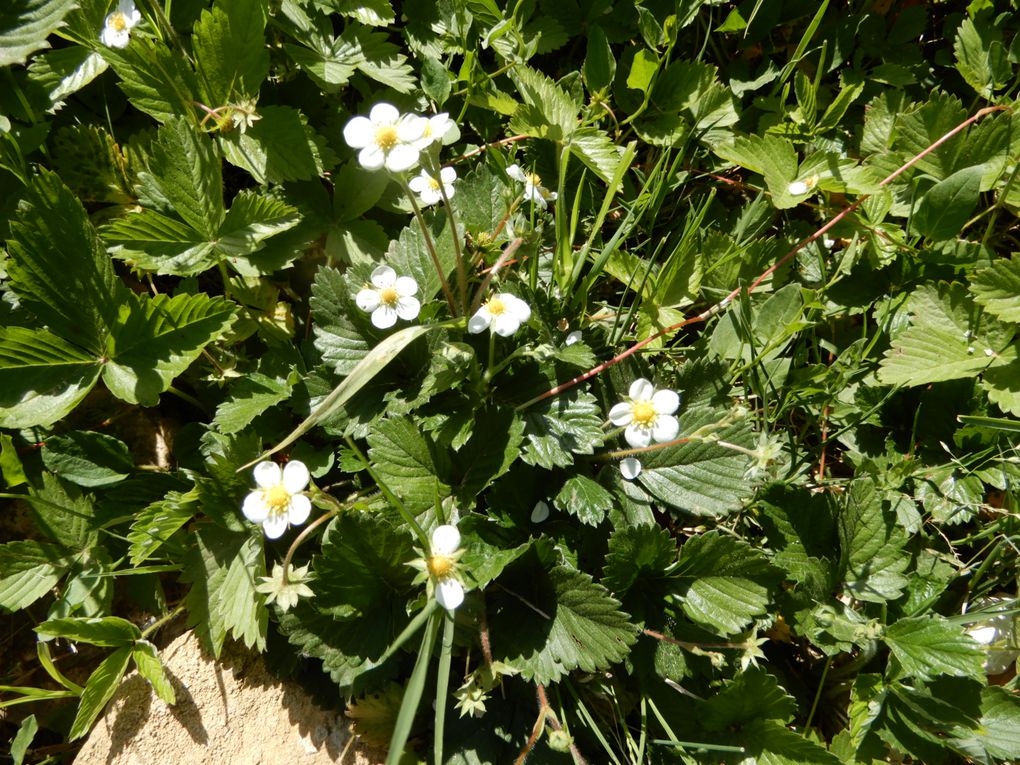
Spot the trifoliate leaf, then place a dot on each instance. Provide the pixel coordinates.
(546, 623)
(996, 288)
(722, 582)
(29, 570)
(873, 559)
(560, 427)
(584, 499)
(927, 647)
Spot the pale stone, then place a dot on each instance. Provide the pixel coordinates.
(232, 712)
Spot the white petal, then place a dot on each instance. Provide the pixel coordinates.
(621, 414)
(637, 436)
(630, 468)
(505, 324)
(401, 157)
(430, 196)
(384, 114)
(515, 172)
(295, 476)
(445, 540)
(573, 337)
(275, 525)
(384, 276)
(450, 190)
(540, 513)
(984, 635)
(359, 132)
(266, 474)
(665, 402)
(133, 18)
(367, 299)
(384, 317)
(549, 195)
(447, 175)
(405, 286)
(408, 308)
(300, 508)
(479, 322)
(371, 157)
(520, 310)
(449, 593)
(411, 128)
(419, 183)
(641, 390)
(666, 428)
(797, 188)
(254, 508)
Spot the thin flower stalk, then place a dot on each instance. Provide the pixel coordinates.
(431, 247)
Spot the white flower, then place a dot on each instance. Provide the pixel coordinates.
(799, 188)
(118, 25)
(540, 513)
(445, 552)
(630, 468)
(503, 314)
(386, 138)
(278, 502)
(438, 128)
(533, 188)
(997, 634)
(427, 187)
(648, 416)
(573, 337)
(389, 297)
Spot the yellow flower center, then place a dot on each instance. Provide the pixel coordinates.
(440, 566)
(643, 413)
(389, 296)
(433, 183)
(534, 179)
(277, 497)
(427, 133)
(386, 137)
(496, 307)
(117, 21)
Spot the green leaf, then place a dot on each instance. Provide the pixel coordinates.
(599, 62)
(158, 340)
(548, 111)
(948, 204)
(63, 512)
(184, 170)
(149, 666)
(53, 236)
(770, 156)
(572, 623)
(559, 427)
(584, 499)
(596, 150)
(435, 80)
(996, 288)
(637, 552)
(376, 13)
(25, 25)
(280, 146)
(916, 129)
(724, 583)
(415, 470)
(98, 690)
(362, 565)
(42, 377)
(157, 522)
(155, 79)
(872, 546)
(409, 256)
(65, 71)
(981, 58)
(108, 631)
(336, 337)
(161, 244)
(230, 51)
(249, 397)
(998, 735)
(480, 201)
(927, 647)
(252, 219)
(750, 696)
(492, 448)
(23, 739)
(948, 338)
(700, 477)
(88, 458)
(642, 69)
(381, 59)
(775, 744)
(29, 570)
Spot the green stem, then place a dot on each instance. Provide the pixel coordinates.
(458, 252)
(412, 694)
(490, 371)
(160, 622)
(442, 685)
(305, 533)
(430, 246)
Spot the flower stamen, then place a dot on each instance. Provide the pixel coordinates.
(643, 413)
(386, 137)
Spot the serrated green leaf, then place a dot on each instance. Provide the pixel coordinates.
(548, 111)
(595, 149)
(584, 499)
(280, 146)
(770, 156)
(382, 60)
(871, 541)
(158, 340)
(492, 448)
(88, 458)
(108, 631)
(775, 744)
(157, 522)
(997, 287)
(155, 79)
(65, 71)
(480, 201)
(998, 734)
(636, 552)
(63, 512)
(751, 695)
(376, 13)
(249, 397)
(251, 220)
(599, 62)
(98, 690)
(948, 204)
(92, 164)
(927, 647)
(413, 468)
(916, 129)
(42, 377)
(723, 582)
(161, 244)
(23, 739)
(981, 58)
(409, 255)
(339, 341)
(29, 570)
(560, 427)
(149, 666)
(25, 25)
(230, 50)
(948, 338)
(572, 623)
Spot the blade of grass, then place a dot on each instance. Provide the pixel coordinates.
(412, 694)
(442, 685)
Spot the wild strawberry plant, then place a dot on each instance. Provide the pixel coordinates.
(591, 381)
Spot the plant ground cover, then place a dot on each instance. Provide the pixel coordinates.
(552, 382)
